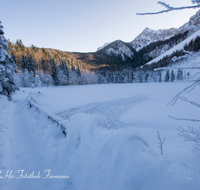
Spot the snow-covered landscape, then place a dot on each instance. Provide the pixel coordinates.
(125, 117)
(111, 138)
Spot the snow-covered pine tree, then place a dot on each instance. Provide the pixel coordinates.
(13, 57)
(73, 76)
(64, 68)
(146, 77)
(180, 75)
(172, 76)
(79, 78)
(54, 73)
(38, 82)
(7, 67)
(160, 76)
(26, 78)
(63, 74)
(167, 76)
(46, 79)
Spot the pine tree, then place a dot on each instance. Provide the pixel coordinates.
(23, 63)
(180, 75)
(54, 73)
(167, 76)
(63, 74)
(160, 76)
(65, 71)
(31, 65)
(141, 77)
(13, 57)
(172, 76)
(7, 67)
(78, 72)
(146, 77)
(73, 76)
(26, 78)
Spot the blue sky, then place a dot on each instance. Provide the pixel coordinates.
(84, 25)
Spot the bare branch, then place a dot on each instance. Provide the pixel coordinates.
(183, 119)
(169, 8)
(195, 1)
(191, 102)
(192, 135)
(165, 5)
(195, 74)
(160, 143)
(187, 89)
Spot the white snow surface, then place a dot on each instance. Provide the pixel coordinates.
(111, 138)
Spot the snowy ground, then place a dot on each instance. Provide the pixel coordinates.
(111, 138)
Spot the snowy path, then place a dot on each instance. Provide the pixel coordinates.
(22, 151)
(27, 153)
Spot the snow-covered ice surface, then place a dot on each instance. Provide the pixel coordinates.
(111, 138)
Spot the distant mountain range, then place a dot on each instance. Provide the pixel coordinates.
(148, 36)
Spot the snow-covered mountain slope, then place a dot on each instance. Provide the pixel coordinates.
(192, 25)
(180, 46)
(99, 48)
(148, 36)
(118, 48)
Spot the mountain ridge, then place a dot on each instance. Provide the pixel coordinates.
(148, 36)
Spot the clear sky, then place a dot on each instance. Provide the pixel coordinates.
(84, 25)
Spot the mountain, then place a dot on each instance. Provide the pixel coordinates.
(118, 47)
(149, 36)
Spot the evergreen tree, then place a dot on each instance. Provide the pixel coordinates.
(23, 63)
(172, 76)
(31, 65)
(13, 57)
(160, 76)
(74, 76)
(167, 76)
(146, 77)
(180, 75)
(54, 73)
(7, 67)
(46, 79)
(141, 77)
(78, 72)
(26, 78)
(65, 71)
(131, 76)
(63, 74)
